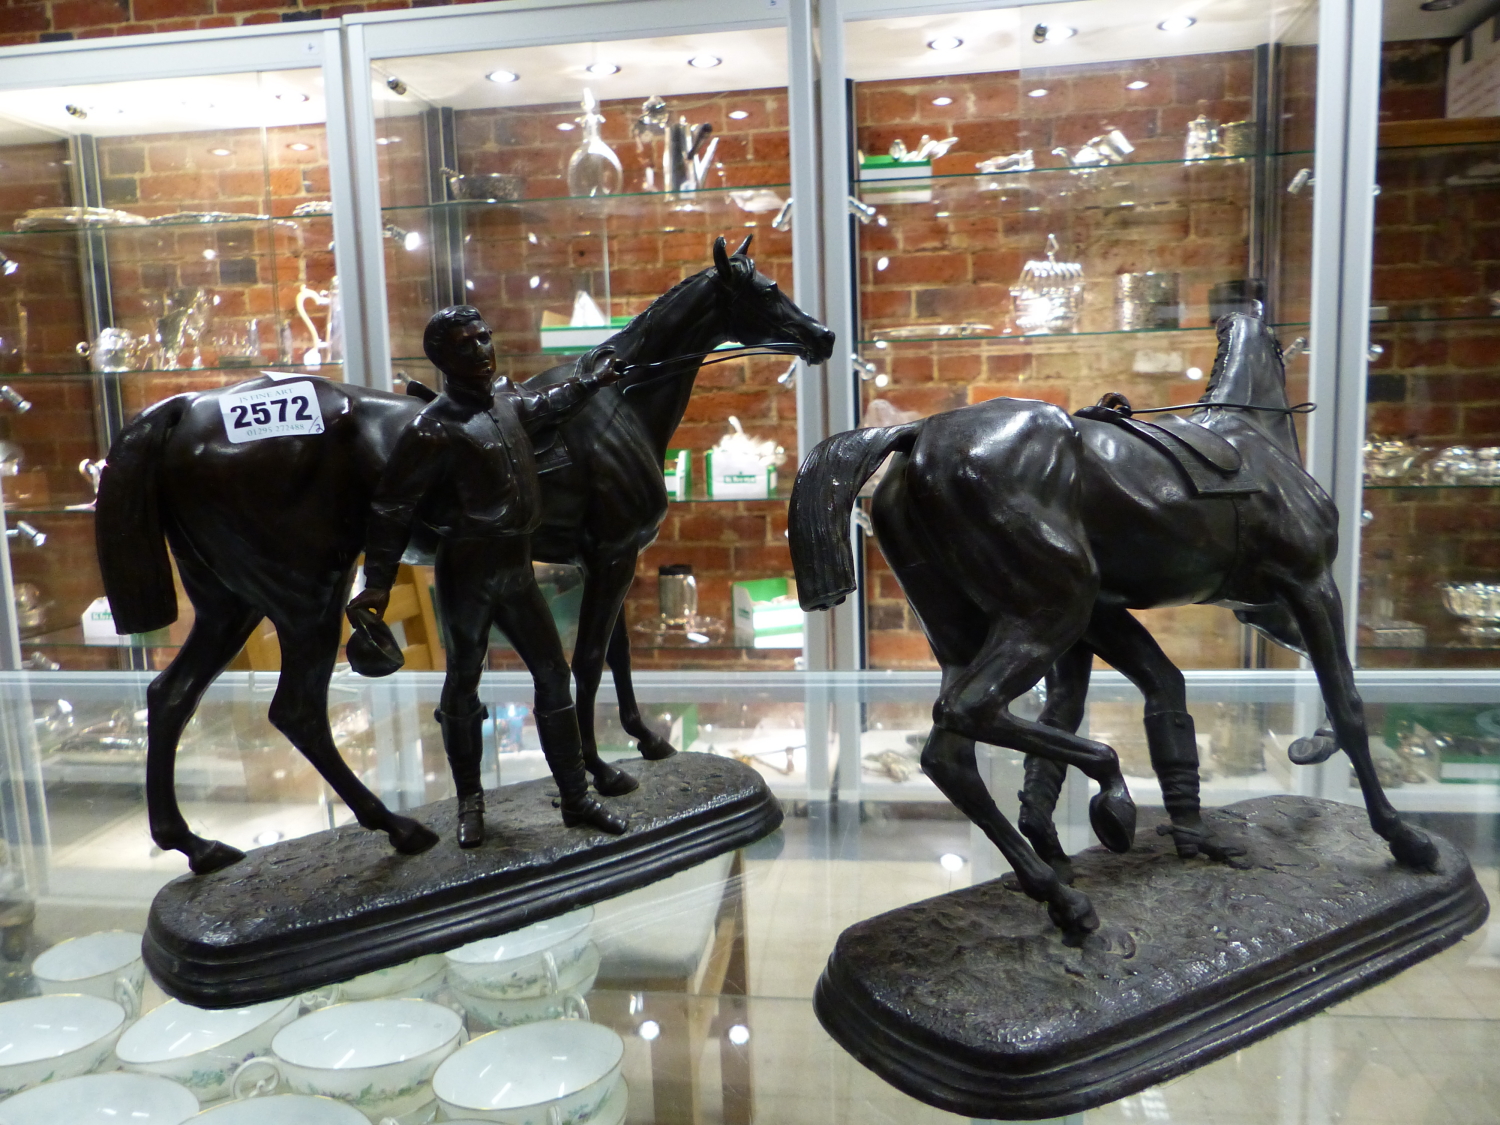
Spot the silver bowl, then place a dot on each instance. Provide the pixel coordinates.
(1479, 604)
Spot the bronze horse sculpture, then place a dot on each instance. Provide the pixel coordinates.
(1023, 537)
(272, 528)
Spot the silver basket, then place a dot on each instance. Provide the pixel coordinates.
(1048, 295)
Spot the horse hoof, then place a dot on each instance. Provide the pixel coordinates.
(211, 856)
(610, 781)
(1311, 750)
(1112, 815)
(410, 837)
(655, 748)
(1073, 914)
(591, 813)
(1414, 848)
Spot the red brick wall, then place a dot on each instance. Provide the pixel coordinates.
(955, 259)
(526, 259)
(1437, 260)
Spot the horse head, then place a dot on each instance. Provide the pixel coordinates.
(759, 314)
(1249, 371)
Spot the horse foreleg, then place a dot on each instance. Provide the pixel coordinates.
(604, 586)
(948, 759)
(299, 710)
(1067, 693)
(220, 629)
(1127, 645)
(652, 745)
(1320, 615)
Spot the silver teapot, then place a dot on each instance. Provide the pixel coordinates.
(117, 349)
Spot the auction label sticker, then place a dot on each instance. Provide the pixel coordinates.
(291, 408)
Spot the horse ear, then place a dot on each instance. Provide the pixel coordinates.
(744, 249)
(721, 259)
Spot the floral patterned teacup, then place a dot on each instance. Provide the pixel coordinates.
(536, 961)
(45, 1038)
(377, 1055)
(199, 1048)
(561, 1072)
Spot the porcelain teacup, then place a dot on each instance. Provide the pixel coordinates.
(534, 961)
(102, 1099)
(570, 1003)
(419, 979)
(46, 1038)
(199, 1048)
(284, 1109)
(106, 964)
(377, 1055)
(560, 1071)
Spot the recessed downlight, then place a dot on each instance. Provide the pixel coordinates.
(603, 69)
(1037, 93)
(1138, 84)
(566, 126)
(739, 114)
(1176, 23)
(503, 76)
(945, 43)
(298, 146)
(219, 152)
(705, 62)
(945, 100)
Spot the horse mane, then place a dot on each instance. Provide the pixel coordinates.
(640, 328)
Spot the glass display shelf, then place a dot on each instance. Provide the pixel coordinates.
(233, 372)
(170, 222)
(677, 200)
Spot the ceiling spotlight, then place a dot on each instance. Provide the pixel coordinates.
(1037, 93)
(603, 69)
(395, 85)
(76, 110)
(705, 62)
(1138, 84)
(1176, 23)
(942, 101)
(298, 146)
(945, 43)
(291, 97)
(503, 76)
(219, 152)
(566, 126)
(1052, 32)
(739, 114)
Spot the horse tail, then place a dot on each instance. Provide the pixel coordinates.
(822, 500)
(128, 531)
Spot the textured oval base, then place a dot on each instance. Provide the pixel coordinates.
(307, 912)
(971, 1002)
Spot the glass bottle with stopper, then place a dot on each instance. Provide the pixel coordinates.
(593, 169)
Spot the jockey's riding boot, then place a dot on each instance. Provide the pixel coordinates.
(563, 747)
(463, 740)
(1174, 756)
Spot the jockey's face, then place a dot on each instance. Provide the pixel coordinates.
(469, 355)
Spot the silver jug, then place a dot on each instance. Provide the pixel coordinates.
(117, 349)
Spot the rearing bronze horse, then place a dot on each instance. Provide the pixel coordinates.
(1023, 537)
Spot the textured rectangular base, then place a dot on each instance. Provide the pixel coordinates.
(971, 1002)
(323, 908)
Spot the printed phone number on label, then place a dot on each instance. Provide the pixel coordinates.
(281, 411)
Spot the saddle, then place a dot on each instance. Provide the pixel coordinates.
(1212, 466)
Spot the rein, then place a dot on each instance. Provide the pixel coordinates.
(1300, 408)
(719, 356)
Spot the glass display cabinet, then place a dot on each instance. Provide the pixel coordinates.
(1056, 201)
(168, 223)
(562, 177)
(1430, 567)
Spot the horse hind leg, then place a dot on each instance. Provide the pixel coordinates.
(222, 624)
(299, 710)
(605, 584)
